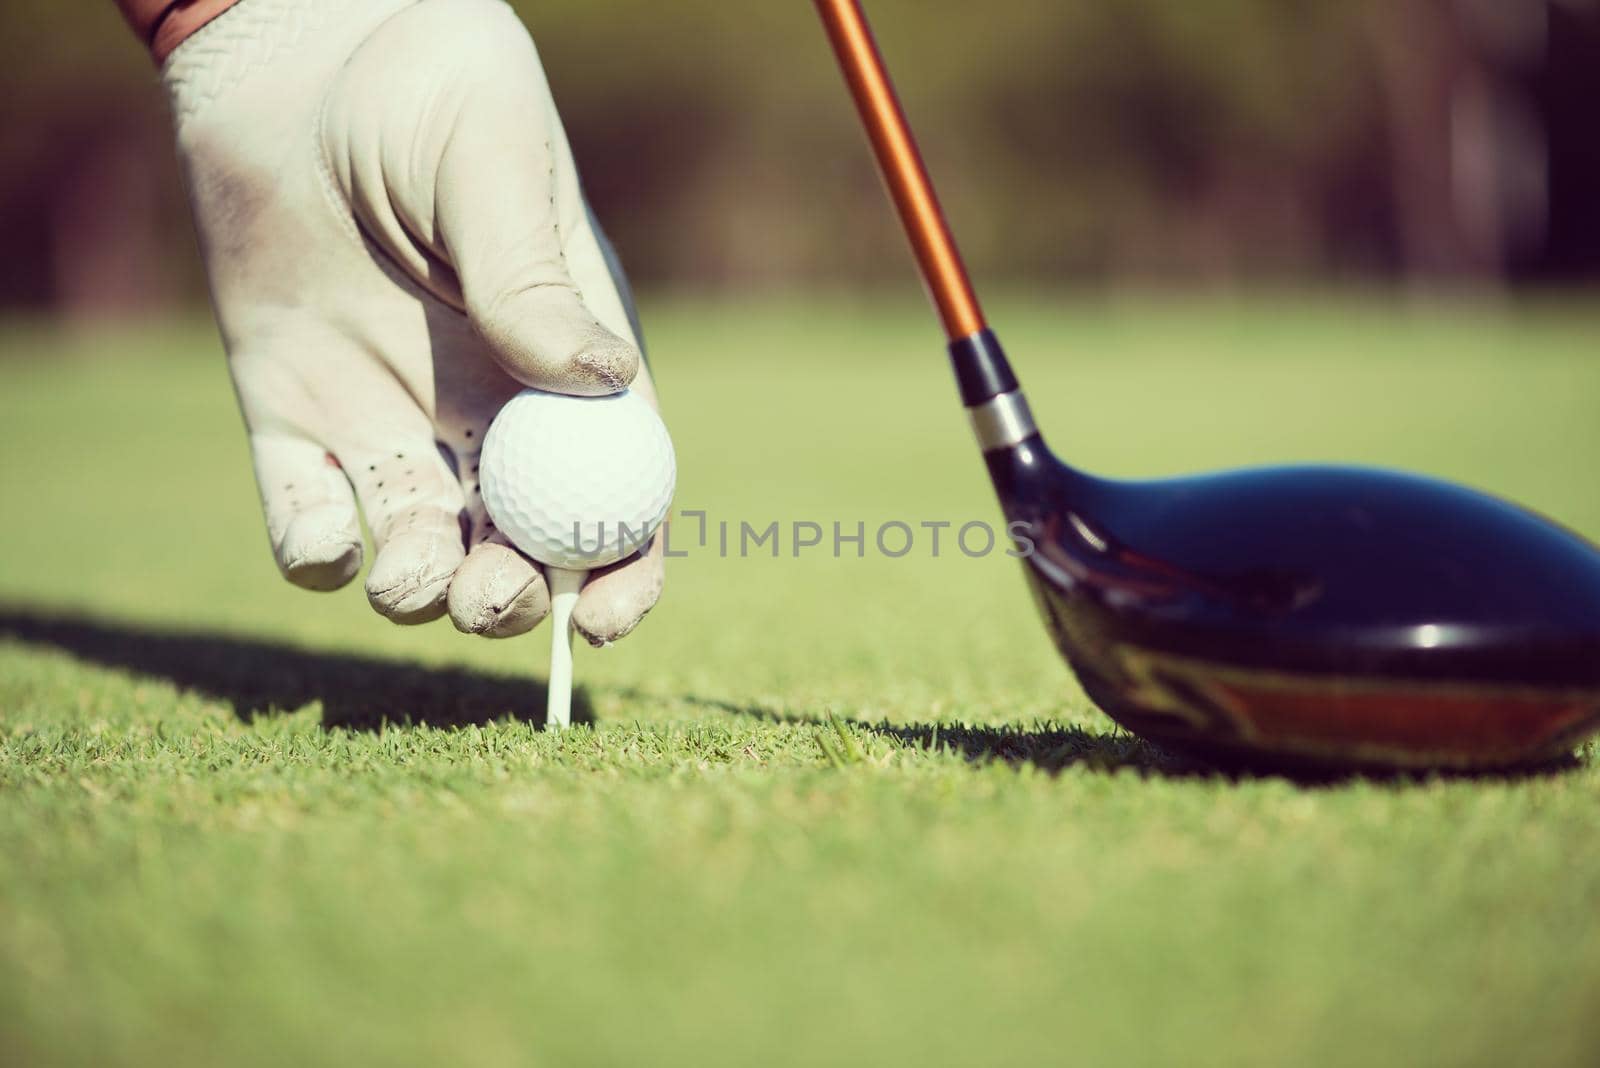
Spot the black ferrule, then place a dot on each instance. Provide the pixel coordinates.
(981, 368)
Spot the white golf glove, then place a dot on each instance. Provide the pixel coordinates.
(396, 243)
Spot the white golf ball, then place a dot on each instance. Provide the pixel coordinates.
(577, 482)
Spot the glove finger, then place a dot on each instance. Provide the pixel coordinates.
(497, 592)
(310, 511)
(616, 599)
(414, 508)
(507, 207)
(597, 270)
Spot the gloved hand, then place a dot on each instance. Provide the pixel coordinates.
(396, 243)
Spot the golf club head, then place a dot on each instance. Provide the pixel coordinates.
(1314, 616)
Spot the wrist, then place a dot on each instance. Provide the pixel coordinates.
(164, 24)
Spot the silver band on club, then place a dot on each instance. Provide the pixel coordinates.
(1003, 421)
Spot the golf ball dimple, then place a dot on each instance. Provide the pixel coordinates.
(577, 482)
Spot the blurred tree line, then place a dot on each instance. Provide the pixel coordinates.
(1074, 140)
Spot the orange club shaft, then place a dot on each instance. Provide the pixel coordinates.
(902, 167)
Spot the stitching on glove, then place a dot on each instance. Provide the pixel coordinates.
(626, 629)
(599, 368)
(343, 210)
(491, 614)
(602, 370)
(555, 214)
(315, 551)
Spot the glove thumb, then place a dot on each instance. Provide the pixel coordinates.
(508, 204)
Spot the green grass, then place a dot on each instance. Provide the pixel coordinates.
(829, 809)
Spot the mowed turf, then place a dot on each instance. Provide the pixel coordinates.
(829, 809)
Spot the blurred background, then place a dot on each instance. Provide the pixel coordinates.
(1092, 143)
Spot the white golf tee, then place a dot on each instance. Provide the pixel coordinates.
(564, 586)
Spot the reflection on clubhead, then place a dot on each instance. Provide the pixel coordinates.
(1317, 615)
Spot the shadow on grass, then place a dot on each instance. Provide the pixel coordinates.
(259, 677)
(1054, 750)
(1051, 749)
